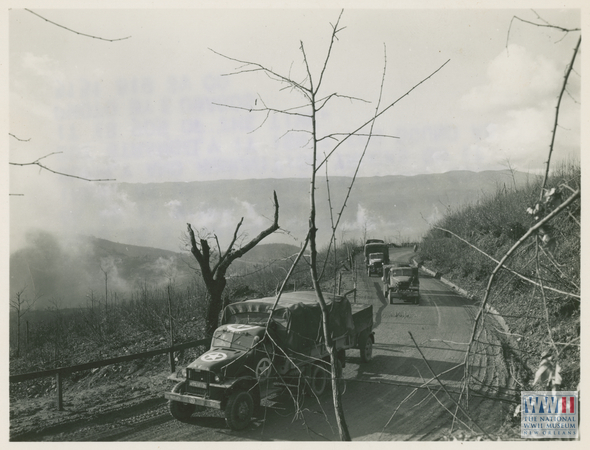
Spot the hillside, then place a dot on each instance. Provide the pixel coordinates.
(539, 298)
(70, 270)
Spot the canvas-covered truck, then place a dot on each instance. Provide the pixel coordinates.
(259, 350)
(401, 281)
(375, 265)
(376, 247)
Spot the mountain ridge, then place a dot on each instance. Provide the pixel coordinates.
(133, 218)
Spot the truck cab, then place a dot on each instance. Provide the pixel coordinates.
(375, 264)
(402, 282)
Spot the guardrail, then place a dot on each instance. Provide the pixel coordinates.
(60, 372)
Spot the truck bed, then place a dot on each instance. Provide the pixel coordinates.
(362, 316)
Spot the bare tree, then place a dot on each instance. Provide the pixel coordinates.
(106, 287)
(21, 305)
(214, 271)
(315, 101)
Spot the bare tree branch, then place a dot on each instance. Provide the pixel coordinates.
(543, 25)
(391, 105)
(567, 74)
(545, 310)
(335, 31)
(73, 31)
(37, 163)
(325, 100)
(224, 256)
(280, 111)
(333, 135)
(260, 68)
(514, 272)
(19, 139)
(445, 389)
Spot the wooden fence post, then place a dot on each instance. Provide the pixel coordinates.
(172, 362)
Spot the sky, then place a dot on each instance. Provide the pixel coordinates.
(162, 104)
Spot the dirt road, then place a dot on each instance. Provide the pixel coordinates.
(384, 399)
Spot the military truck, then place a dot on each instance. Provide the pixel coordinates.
(376, 247)
(375, 265)
(401, 281)
(261, 349)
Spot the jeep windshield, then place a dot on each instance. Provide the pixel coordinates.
(229, 339)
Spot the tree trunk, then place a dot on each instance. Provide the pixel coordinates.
(214, 274)
(18, 315)
(215, 306)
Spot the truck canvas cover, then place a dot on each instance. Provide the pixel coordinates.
(297, 318)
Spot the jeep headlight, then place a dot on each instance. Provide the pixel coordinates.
(218, 378)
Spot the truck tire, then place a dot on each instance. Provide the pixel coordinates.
(366, 347)
(239, 410)
(180, 411)
(318, 379)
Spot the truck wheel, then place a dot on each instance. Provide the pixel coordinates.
(366, 347)
(180, 411)
(239, 410)
(318, 380)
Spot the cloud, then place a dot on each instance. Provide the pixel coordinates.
(216, 219)
(363, 219)
(518, 103)
(251, 217)
(174, 208)
(516, 79)
(115, 205)
(42, 66)
(434, 216)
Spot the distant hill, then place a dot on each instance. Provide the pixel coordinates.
(69, 270)
(390, 207)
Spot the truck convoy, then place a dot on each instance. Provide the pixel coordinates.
(401, 281)
(262, 348)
